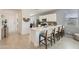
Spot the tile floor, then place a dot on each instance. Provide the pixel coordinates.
(16, 41)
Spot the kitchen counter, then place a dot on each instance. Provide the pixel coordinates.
(35, 35)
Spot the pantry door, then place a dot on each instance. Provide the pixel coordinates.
(11, 22)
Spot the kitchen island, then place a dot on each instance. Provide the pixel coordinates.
(35, 32)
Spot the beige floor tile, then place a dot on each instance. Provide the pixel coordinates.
(16, 41)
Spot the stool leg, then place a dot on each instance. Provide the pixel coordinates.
(58, 36)
(39, 39)
(46, 46)
(54, 41)
(54, 38)
(51, 40)
(45, 43)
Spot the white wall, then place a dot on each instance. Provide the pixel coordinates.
(19, 21)
(26, 25)
(61, 17)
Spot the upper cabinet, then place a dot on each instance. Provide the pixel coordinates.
(43, 17)
(49, 17)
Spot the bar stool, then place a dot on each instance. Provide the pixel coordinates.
(62, 31)
(53, 35)
(50, 35)
(57, 34)
(46, 37)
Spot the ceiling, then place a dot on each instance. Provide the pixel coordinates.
(31, 12)
(36, 11)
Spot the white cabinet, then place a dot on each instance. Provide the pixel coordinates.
(49, 17)
(43, 17)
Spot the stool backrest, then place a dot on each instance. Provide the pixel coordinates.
(62, 27)
(59, 29)
(56, 30)
(49, 31)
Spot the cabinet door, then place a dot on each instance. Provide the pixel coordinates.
(51, 17)
(43, 17)
(40, 18)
